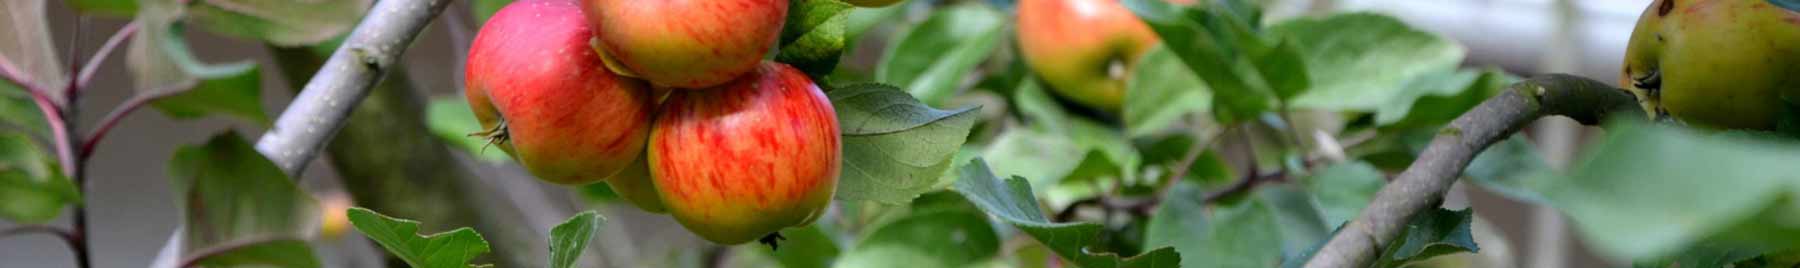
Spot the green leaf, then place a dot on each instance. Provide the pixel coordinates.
(159, 59)
(1165, 153)
(1040, 111)
(231, 196)
(238, 94)
(895, 148)
(282, 23)
(449, 118)
(805, 247)
(1012, 202)
(104, 8)
(32, 187)
(1161, 90)
(19, 112)
(481, 10)
(1363, 61)
(1705, 255)
(942, 238)
(400, 237)
(1441, 99)
(1647, 191)
(1433, 233)
(1244, 234)
(274, 253)
(569, 239)
(814, 35)
(1504, 167)
(1215, 44)
(1044, 158)
(1284, 69)
(931, 59)
(1342, 190)
(26, 44)
(1302, 222)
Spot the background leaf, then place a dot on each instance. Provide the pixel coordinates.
(231, 195)
(1012, 202)
(237, 94)
(1243, 234)
(895, 148)
(1362, 61)
(159, 59)
(400, 237)
(942, 238)
(449, 118)
(32, 187)
(484, 9)
(279, 22)
(1160, 91)
(813, 37)
(569, 239)
(1215, 46)
(931, 58)
(25, 42)
(1342, 190)
(805, 247)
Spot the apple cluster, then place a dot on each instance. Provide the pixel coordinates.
(669, 102)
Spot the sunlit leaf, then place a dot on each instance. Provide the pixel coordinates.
(1363, 61)
(401, 238)
(1162, 90)
(895, 148)
(931, 59)
(813, 36)
(449, 118)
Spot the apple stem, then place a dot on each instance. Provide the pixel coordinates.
(1423, 185)
(773, 240)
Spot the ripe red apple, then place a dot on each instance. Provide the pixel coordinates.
(686, 43)
(532, 76)
(746, 159)
(1083, 48)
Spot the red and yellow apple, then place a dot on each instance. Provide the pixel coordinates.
(532, 77)
(1083, 48)
(686, 43)
(1716, 63)
(743, 160)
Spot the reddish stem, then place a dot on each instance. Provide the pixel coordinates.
(118, 113)
(93, 64)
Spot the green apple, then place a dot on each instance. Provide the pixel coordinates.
(748, 158)
(686, 43)
(1716, 63)
(533, 80)
(1083, 48)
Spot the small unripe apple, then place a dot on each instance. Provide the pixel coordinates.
(635, 186)
(686, 43)
(1083, 48)
(1717, 63)
(532, 77)
(872, 3)
(748, 158)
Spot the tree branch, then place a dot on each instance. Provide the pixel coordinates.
(1422, 185)
(318, 112)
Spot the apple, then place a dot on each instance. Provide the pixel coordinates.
(1716, 63)
(744, 160)
(532, 78)
(688, 44)
(1083, 48)
(635, 186)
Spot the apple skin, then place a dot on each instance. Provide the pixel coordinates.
(1083, 48)
(566, 119)
(1715, 63)
(688, 44)
(748, 158)
(635, 186)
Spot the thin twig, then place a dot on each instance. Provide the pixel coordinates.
(93, 64)
(36, 228)
(125, 108)
(1423, 185)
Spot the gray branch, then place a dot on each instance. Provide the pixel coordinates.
(320, 109)
(1422, 185)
